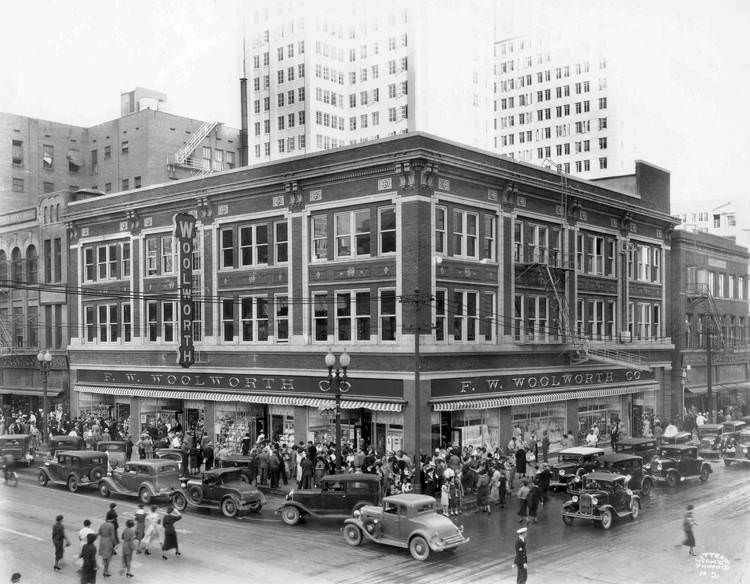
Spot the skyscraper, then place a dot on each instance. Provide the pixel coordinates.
(328, 74)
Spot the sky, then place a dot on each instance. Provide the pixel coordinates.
(69, 62)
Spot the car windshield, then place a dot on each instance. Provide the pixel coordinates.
(113, 447)
(423, 508)
(569, 458)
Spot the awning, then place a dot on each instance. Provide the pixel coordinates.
(35, 391)
(538, 398)
(278, 400)
(702, 389)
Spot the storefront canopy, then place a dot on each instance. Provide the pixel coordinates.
(701, 389)
(283, 400)
(34, 391)
(537, 398)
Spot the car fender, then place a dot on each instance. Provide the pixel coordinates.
(428, 537)
(303, 509)
(706, 465)
(148, 485)
(112, 485)
(605, 507)
(46, 472)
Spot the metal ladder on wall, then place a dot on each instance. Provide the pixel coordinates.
(186, 152)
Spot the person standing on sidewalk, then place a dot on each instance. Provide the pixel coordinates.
(84, 532)
(153, 519)
(140, 526)
(128, 545)
(523, 494)
(170, 534)
(88, 555)
(687, 526)
(545, 446)
(59, 540)
(520, 562)
(112, 515)
(106, 544)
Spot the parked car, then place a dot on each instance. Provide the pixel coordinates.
(337, 496)
(64, 442)
(679, 438)
(219, 488)
(645, 447)
(144, 479)
(604, 497)
(709, 440)
(405, 521)
(738, 449)
(628, 465)
(74, 468)
(571, 462)
(170, 454)
(247, 465)
(677, 463)
(730, 431)
(115, 451)
(20, 446)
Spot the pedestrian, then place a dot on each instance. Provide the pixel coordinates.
(84, 531)
(112, 514)
(521, 461)
(687, 526)
(483, 492)
(15, 578)
(246, 441)
(455, 495)
(208, 455)
(170, 534)
(140, 526)
(545, 445)
(543, 478)
(307, 471)
(128, 545)
(591, 439)
(445, 492)
(532, 502)
(106, 544)
(88, 555)
(614, 434)
(60, 541)
(153, 519)
(523, 494)
(520, 562)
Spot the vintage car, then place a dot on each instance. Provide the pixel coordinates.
(571, 462)
(247, 465)
(730, 431)
(709, 440)
(406, 521)
(74, 468)
(337, 496)
(604, 497)
(738, 448)
(144, 479)
(170, 454)
(20, 446)
(64, 442)
(677, 463)
(628, 465)
(644, 447)
(115, 451)
(219, 488)
(679, 438)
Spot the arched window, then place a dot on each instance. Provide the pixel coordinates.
(32, 265)
(45, 215)
(57, 212)
(16, 265)
(3, 267)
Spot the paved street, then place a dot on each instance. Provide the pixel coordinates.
(261, 548)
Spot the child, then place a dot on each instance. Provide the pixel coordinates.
(456, 493)
(444, 498)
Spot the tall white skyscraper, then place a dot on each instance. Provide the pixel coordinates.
(332, 73)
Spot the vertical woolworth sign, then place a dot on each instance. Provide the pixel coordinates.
(184, 232)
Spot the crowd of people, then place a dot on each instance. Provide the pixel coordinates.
(137, 536)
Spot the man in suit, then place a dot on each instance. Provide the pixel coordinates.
(520, 562)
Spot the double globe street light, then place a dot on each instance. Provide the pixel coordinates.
(45, 360)
(338, 382)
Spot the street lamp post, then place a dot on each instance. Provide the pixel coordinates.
(45, 360)
(337, 380)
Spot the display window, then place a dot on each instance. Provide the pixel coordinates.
(233, 421)
(321, 427)
(598, 413)
(540, 417)
(282, 424)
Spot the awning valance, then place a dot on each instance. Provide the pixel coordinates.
(277, 400)
(33, 391)
(538, 398)
(729, 386)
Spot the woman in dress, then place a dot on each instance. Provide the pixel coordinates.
(687, 526)
(88, 555)
(128, 545)
(140, 525)
(483, 491)
(170, 534)
(106, 544)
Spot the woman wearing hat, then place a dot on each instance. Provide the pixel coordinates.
(88, 555)
(170, 534)
(106, 544)
(687, 526)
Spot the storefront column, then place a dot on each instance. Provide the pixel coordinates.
(506, 427)
(135, 418)
(300, 424)
(411, 432)
(209, 425)
(571, 419)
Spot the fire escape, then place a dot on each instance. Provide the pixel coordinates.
(184, 158)
(697, 294)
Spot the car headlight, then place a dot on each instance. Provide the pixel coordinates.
(575, 498)
(659, 467)
(594, 500)
(647, 466)
(744, 450)
(357, 513)
(562, 472)
(628, 491)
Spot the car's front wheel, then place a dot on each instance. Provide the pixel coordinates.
(104, 490)
(635, 509)
(290, 515)
(256, 506)
(419, 548)
(144, 496)
(727, 462)
(705, 473)
(672, 480)
(606, 519)
(352, 534)
(43, 480)
(179, 501)
(96, 475)
(646, 487)
(567, 520)
(73, 484)
(229, 507)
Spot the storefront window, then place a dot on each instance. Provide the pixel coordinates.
(158, 416)
(232, 421)
(541, 417)
(598, 413)
(476, 428)
(282, 425)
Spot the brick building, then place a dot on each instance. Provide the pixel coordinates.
(536, 300)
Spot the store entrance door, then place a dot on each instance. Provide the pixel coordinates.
(380, 438)
(636, 420)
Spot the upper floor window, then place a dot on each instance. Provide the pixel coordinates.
(320, 237)
(253, 245)
(465, 316)
(465, 234)
(352, 233)
(254, 319)
(387, 229)
(160, 255)
(440, 230)
(353, 316)
(48, 156)
(281, 241)
(488, 236)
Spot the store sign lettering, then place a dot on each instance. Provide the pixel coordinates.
(541, 381)
(203, 380)
(184, 232)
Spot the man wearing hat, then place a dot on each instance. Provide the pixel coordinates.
(520, 562)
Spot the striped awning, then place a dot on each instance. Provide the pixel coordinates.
(33, 391)
(276, 400)
(537, 398)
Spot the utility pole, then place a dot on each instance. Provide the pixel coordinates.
(709, 375)
(417, 389)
